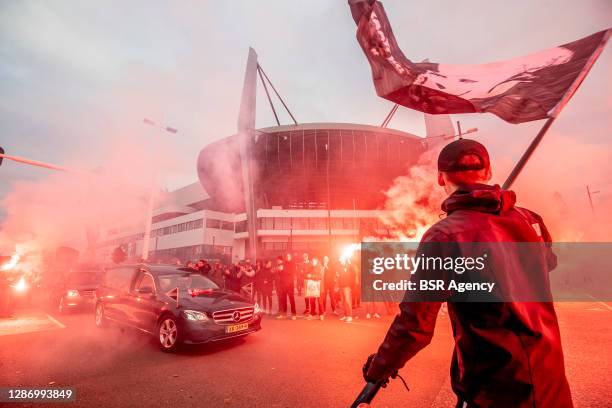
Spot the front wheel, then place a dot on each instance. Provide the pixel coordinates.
(168, 334)
(101, 321)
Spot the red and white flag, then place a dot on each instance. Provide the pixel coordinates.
(174, 295)
(519, 90)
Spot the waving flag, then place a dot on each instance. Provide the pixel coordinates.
(174, 295)
(519, 90)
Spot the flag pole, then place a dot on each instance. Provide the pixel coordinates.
(555, 113)
(525, 157)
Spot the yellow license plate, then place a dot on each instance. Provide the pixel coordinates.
(236, 328)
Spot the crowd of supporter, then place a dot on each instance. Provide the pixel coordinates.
(327, 286)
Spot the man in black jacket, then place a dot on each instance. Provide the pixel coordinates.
(233, 277)
(286, 280)
(507, 354)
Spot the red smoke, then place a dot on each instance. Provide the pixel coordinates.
(76, 209)
(413, 201)
(553, 184)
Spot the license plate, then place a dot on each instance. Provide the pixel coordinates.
(236, 328)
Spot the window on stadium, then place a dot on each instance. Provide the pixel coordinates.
(241, 226)
(212, 223)
(282, 223)
(318, 223)
(300, 223)
(227, 225)
(266, 223)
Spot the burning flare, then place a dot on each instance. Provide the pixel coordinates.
(348, 251)
(21, 285)
(11, 263)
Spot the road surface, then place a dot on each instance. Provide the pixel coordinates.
(287, 364)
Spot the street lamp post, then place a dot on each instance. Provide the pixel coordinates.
(151, 198)
(148, 224)
(329, 231)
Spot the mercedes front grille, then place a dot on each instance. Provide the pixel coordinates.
(233, 316)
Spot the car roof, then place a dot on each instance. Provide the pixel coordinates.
(157, 269)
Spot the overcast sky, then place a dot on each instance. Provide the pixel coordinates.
(78, 76)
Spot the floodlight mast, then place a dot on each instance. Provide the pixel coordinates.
(246, 139)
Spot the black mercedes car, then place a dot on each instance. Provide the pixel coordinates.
(176, 305)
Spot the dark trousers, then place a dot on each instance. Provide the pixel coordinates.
(264, 296)
(312, 305)
(300, 287)
(286, 292)
(356, 296)
(300, 284)
(332, 300)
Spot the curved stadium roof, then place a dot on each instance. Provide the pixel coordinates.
(295, 163)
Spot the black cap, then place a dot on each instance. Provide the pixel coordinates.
(450, 156)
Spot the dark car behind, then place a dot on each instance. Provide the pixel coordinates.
(76, 289)
(175, 305)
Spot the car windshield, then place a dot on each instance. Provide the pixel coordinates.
(185, 281)
(87, 278)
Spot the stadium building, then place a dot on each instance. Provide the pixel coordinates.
(309, 187)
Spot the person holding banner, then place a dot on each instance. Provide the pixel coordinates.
(312, 288)
(507, 353)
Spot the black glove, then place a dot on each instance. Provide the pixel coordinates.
(366, 368)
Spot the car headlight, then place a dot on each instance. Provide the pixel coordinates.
(195, 316)
(72, 293)
(257, 309)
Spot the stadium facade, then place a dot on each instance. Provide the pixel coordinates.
(310, 187)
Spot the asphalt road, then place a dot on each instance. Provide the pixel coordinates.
(287, 364)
